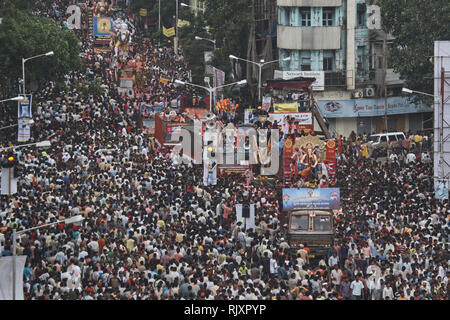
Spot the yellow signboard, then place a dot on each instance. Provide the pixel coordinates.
(143, 12)
(169, 32)
(285, 107)
(183, 23)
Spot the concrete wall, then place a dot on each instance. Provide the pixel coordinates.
(345, 126)
(309, 38)
(309, 3)
(332, 95)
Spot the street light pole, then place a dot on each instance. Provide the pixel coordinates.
(50, 53)
(42, 144)
(210, 90)
(74, 219)
(414, 91)
(260, 65)
(210, 40)
(23, 75)
(18, 98)
(14, 263)
(176, 29)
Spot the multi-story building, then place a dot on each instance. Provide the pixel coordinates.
(340, 43)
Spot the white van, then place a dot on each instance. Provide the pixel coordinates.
(384, 138)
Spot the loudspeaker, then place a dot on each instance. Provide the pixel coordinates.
(245, 210)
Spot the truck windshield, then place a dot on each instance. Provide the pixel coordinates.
(299, 222)
(374, 138)
(322, 223)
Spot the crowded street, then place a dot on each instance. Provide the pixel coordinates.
(152, 229)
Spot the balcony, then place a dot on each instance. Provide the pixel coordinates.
(309, 3)
(308, 38)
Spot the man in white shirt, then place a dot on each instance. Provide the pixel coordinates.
(336, 275)
(333, 260)
(410, 158)
(357, 287)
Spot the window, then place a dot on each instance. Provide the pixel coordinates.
(322, 223)
(374, 139)
(328, 60)
(299, 222)
(306, 67)
(287, 14)
(361, 15)
(383, 139)
(400, 137)
(380, 62)
(327, 16)
(392, 138)
(306, 61)
(306, 17)
(327, 64)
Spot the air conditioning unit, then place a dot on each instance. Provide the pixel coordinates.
(357, 94)
(369, 92)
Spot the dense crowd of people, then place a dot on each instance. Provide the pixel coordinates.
(152, 230)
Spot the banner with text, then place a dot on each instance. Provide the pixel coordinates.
(24, 131)
(24, 107)
(305, 198)
(331, 158)
(266, 103)
(285, 107)
(318, 85)
(169, 32)
(441, 189)
(369, 107)
(304, 119)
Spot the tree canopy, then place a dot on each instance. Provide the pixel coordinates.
(415, 24)
(23, 35)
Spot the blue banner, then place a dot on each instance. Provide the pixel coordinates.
(24, 107)
(441, 189)
(305, 198)
(369, 107)
(146, 109)
(102, 26)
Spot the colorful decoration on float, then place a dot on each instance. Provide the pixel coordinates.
(227, 107)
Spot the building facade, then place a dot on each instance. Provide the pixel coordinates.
(342, 41)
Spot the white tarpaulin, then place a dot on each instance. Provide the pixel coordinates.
(303, 118)
(6, 277)
(249, 223)
(9, 183)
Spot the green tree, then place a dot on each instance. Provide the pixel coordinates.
(168, 10)
(230, 23)
(23, 35)
(415, 24)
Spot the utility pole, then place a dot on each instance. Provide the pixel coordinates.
(176, 29)
(384, 81)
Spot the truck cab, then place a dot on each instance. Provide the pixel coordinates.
(314, 228)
